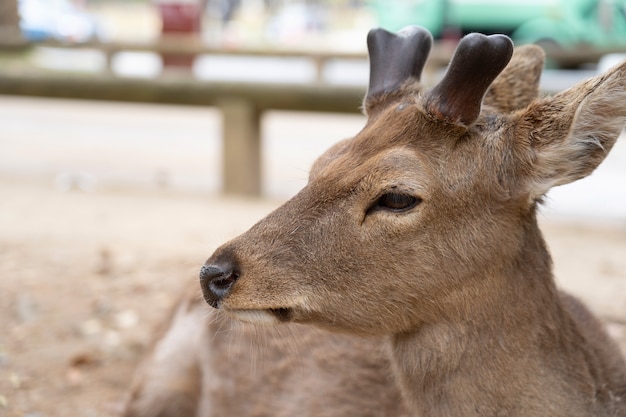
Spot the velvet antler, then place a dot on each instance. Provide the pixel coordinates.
(476, 63)
(394, 58)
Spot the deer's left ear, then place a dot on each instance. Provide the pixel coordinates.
(518, 84)
(565, 137)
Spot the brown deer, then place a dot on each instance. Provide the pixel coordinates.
(416, 243)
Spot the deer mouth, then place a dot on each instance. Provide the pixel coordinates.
(268, 316)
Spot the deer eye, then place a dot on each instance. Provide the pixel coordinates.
(395, 202)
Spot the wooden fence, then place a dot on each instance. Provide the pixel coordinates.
(241, 104)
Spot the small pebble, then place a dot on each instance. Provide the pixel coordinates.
(83, 359)
(126, 319)
(91, 327)
(16, 380)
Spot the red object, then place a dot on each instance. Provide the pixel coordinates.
(179, 18)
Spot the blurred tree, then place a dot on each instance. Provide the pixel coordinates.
(9, 22)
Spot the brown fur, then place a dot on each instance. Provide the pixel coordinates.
(458, 289)
(242, 370)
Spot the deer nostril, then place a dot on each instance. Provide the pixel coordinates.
(216, 281)
(224, 282)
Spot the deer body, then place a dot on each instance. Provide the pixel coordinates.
(421, 230)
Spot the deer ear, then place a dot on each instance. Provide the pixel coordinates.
(395, 58)
(567, 136)
(518, 84)
(477, 61)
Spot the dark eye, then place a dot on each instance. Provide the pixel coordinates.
(396, 202)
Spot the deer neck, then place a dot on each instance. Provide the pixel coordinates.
(490, 355)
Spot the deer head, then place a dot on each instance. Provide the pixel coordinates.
(428, 213)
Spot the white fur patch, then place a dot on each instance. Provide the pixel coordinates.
(262, 317)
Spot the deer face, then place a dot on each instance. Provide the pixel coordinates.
(381, 229)
(401, 225)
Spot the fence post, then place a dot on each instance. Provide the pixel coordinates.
(241, 146)
(10, 33)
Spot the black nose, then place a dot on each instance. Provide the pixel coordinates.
(216, 281)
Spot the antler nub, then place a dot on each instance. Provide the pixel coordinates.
(396, 57)
(476, 63)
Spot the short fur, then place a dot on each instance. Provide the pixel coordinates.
(457, 289)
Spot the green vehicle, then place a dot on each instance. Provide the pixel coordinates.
(564, 23)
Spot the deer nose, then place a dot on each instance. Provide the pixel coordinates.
(216, 281)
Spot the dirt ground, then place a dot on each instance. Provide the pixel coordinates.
(84, 277)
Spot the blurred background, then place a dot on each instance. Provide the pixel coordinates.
(329, 23)
(250, 65)
(136, 136)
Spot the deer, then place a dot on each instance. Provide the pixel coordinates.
(409, 277)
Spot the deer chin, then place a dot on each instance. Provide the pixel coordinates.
(266, 317)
